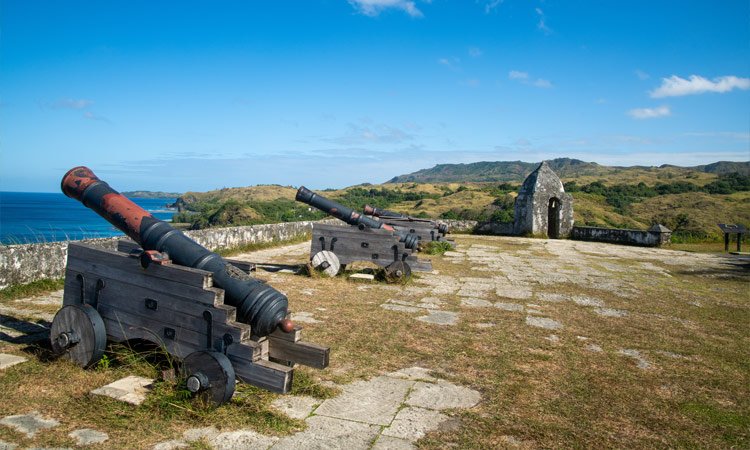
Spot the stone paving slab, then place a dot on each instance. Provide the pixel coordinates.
(7, 360)
(514, 292)
(594, 348)
(304, 317)
(637, 356)
(87, 436)
(170, 445)
(362, 277)
(413, 374)
(23, 312)
(391, 443)
(196, 434)
(400, 308)
(328, 433)
(509, 306)
(243, 439)
(29, 424)
(54, 298)
(375, 402)
(413, 423)
(440, 318)
(382, 398)
(130, 389)
(442, 395)
(472, 302)
(611, 312)
(543, 322)
(296, 406)
(587, 301)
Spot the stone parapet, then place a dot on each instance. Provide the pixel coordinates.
(24, 263)
(655, 236)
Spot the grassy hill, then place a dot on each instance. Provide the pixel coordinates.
(566, 168)
(690, 201)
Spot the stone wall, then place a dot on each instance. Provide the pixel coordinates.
(653, 237)
(459, 226)
(495, 228)
(25, 263)
(30, 262)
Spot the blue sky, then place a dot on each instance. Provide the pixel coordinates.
(198, 95)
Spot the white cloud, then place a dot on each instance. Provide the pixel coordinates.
(373, 8)
(490, 5)
(641, 74)
(475, 52)
(650, 113)
(675, 86)
(71, 103)
(372, 134)
(524, 78)
(734, 135)
(542, 25)
(451, 63)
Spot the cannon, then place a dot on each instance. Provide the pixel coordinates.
(352, 217)
(165, 288)
(366, 239)
(426, 230)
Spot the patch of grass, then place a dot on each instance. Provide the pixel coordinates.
(734, 426)
(437, 247)
(31, 289)
(701, 247)
(305, 384)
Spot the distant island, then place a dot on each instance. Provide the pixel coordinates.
(151, 194)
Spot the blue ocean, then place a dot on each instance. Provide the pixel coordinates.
(30, 217)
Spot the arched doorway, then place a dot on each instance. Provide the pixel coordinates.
(553, 218)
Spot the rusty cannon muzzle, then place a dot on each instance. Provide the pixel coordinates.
(386, 214)
(351, 216)
(259, 305)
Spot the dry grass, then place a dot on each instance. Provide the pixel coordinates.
(648, 175)
(541, 393)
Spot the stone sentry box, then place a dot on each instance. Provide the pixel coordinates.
(542, 207)
(178, 309)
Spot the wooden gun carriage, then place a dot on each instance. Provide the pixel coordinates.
(334, 246)
(222, 323)
(366, 239)
(110, 296)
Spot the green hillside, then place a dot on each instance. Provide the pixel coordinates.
(690, 200)
(499, 171)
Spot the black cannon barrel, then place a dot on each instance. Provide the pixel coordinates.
(377, 212)
(385, 215)
(351, 216)
(259, 305)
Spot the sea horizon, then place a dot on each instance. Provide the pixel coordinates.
(38, 217)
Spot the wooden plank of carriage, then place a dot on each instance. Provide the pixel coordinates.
(179, 280)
